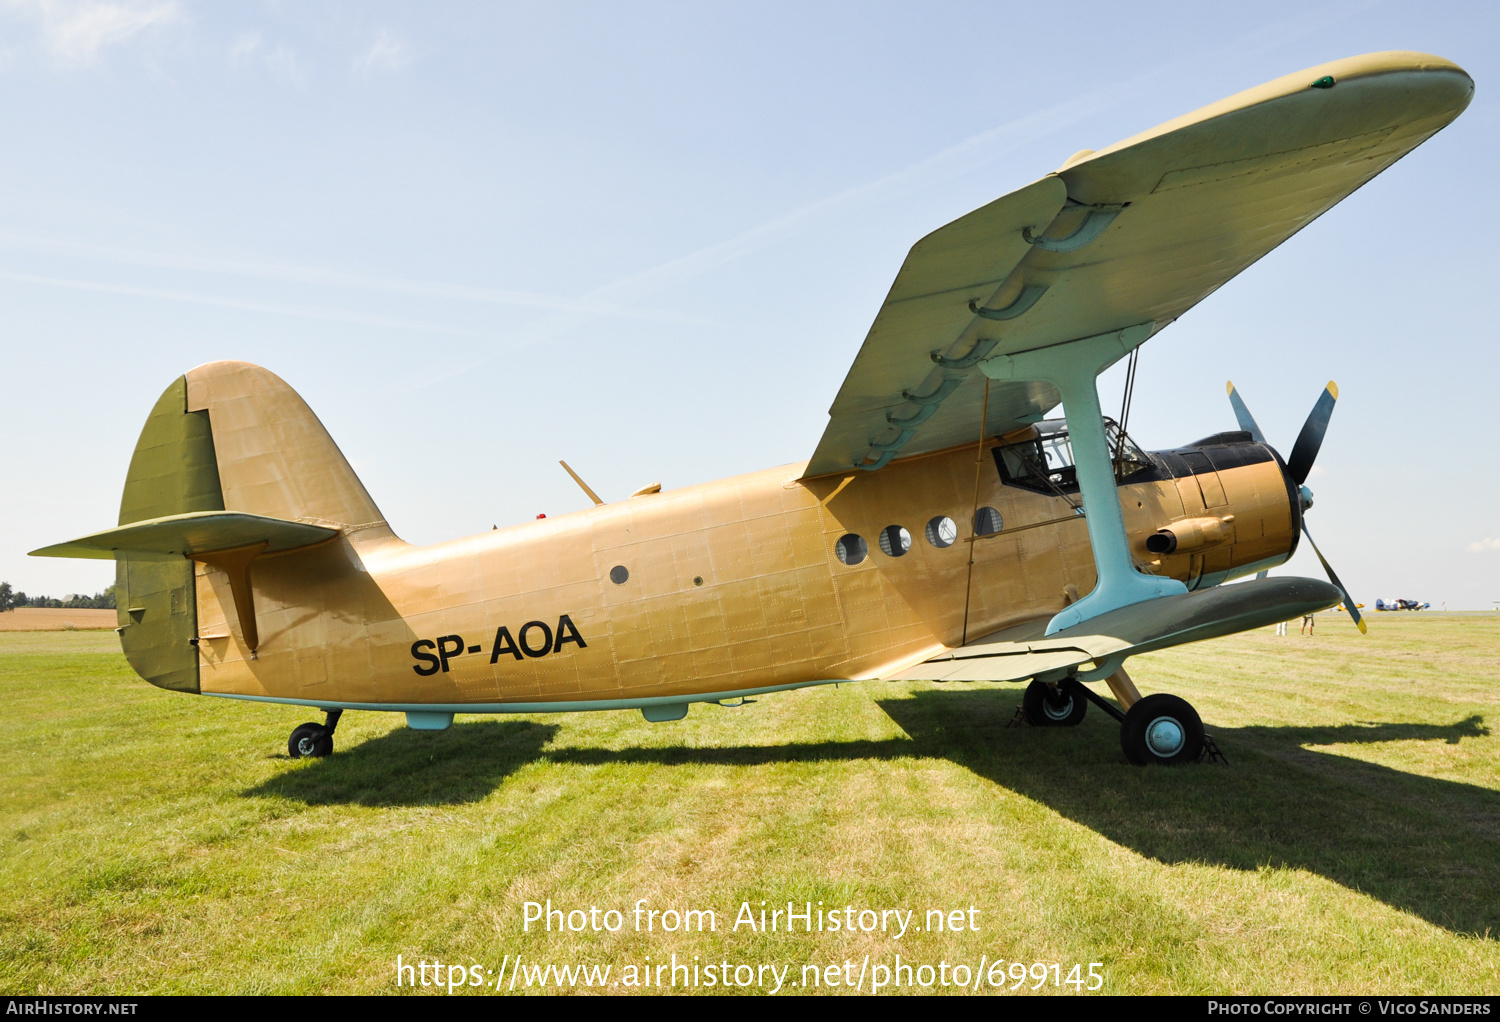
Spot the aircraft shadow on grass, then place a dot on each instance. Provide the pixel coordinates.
(1424, 845)
(1420, 844)
(417, 768)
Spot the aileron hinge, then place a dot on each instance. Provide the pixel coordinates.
(1099, 217)
(1022, 302)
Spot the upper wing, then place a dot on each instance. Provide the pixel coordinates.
(1136, 233)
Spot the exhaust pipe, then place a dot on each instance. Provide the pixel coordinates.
(1191, 535)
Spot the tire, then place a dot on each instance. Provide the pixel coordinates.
(1046, 707)
(309, 740)
(1162, 729)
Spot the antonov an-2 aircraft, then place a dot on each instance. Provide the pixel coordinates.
(943, 529)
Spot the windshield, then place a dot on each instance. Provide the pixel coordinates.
(1129, 459)
(1043, 460)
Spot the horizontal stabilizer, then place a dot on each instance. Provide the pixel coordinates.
(1024, 652)
(198, 532)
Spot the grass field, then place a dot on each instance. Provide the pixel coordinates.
(152, 842)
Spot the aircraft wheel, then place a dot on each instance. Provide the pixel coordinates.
(309, 740)
(1162, 729)
(1049, 707)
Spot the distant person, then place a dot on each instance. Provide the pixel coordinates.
(1281, 628)
(1308, 620)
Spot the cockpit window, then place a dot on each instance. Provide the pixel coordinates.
(1041, 458)
(1129, 459)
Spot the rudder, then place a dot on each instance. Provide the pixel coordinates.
(173, 471)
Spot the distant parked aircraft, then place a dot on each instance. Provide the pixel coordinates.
(1400, 605)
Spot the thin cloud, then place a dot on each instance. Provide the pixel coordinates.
(341, 279)
(387, 53)
(244, 48)
(193, 298)
(249, 51)
(1486, 545)
(75, 33)
(285, 67)
(969, 154)
(972, 153)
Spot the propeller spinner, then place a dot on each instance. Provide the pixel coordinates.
(1299, 466)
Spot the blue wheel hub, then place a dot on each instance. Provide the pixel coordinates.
(1059, 710)
(1165, 737)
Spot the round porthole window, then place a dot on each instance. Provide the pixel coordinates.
(987, 522)
(618, 574)
(851, 549)
(942, 532)
(894, 540)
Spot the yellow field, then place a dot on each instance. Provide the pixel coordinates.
(54, 619)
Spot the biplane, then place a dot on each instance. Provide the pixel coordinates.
(944, 528)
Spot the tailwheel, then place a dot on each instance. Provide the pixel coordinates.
(309, 740)
(1046, 706)
(1162, 729)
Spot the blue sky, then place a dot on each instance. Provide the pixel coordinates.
(649, 238)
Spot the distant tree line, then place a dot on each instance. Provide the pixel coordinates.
(11, 598)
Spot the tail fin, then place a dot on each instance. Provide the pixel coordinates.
(228, 435)
(274, 457)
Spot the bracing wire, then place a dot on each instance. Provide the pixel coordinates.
(1129, 396)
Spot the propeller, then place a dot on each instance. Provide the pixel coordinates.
(1305, 450)
(1332, 577)
(1242, 414)
(1299, 466)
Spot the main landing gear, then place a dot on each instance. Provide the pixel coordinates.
(1061, 705)
(314, 740)
(1158, 728)
(1162, 729)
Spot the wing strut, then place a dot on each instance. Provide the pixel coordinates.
(984, 414)
(1073, 367)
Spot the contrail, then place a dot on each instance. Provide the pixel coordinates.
(335, 279)
(305, 311)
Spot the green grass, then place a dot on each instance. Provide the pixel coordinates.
(151, 842)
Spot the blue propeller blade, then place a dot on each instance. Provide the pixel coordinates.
(1242, 414)
(1305, 450)
(1348, 600)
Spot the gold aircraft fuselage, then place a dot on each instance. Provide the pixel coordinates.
(729, 586)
